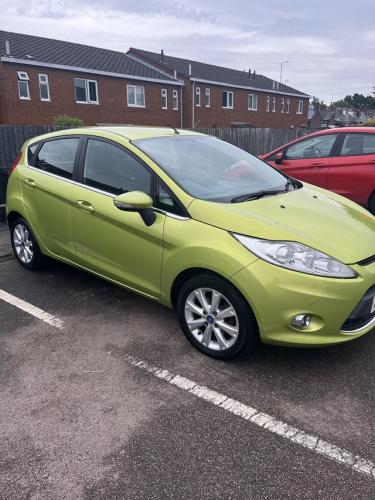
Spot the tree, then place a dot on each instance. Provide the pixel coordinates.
(357, 101)
(67, 121)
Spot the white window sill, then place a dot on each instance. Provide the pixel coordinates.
(175, 109)
(137, 106)
(45, 100)
(25, 99)
(88, 102)
(252, 109)
(299, 113)
(227, 107)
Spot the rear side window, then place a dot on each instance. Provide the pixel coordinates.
(358, 144)
(315, 147)
(58, 157)
(30, 152)
(111, 169)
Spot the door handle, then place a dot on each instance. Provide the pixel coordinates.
(30, 183)
(85, 206)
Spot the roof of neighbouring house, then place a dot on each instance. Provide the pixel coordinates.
(34, 49)
(212, 73)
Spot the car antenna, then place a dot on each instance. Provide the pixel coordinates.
(174, 128)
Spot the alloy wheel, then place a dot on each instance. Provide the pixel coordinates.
(211, 319)
(23, 243)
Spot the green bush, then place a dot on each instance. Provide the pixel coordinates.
(370, 122)
(67, 121)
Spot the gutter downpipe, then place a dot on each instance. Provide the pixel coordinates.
(192, 106)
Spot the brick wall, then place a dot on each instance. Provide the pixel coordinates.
(112, 107)
(218, 116)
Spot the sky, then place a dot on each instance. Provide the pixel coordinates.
(330, 44)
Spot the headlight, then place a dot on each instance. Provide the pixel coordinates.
(297, 257)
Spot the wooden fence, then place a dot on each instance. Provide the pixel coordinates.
(253, 140)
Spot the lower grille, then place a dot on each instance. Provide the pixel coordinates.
(363, 314)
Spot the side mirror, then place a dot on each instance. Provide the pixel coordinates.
(279, 157)
(136, 201)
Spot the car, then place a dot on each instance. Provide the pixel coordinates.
(241, 251)
(338, 159)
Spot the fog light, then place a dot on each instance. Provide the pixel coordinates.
(301, 321)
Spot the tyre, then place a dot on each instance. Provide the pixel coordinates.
(371, 203)
(215, 317)
(25, 247)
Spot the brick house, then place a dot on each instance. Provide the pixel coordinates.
(214, 96)
(41, 78)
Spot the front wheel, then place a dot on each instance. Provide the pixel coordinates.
(215, 317)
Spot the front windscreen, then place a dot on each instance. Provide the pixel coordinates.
(210, 169)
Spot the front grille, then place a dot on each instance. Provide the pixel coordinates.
(362, 314)
(367, 262)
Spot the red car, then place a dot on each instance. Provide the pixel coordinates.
(339, 159)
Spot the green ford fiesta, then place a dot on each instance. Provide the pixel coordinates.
(241, 251)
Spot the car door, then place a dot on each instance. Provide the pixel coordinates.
(308, 160)
(111, 242)
(352, 171)
(47, 193)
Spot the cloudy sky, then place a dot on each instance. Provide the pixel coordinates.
(330, 44)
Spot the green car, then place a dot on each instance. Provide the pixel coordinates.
(241, 251)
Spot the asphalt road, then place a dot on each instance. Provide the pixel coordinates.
(78, 421)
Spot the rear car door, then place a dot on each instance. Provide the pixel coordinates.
(47, 193)
(308, 160)
(108, 241)
(352, 171)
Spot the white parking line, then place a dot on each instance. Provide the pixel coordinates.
(30, 309)
(286, 431)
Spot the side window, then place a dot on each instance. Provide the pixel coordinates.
(358, 144)
(316, 147)
(166, 201)
(58, 157)
(110, 168)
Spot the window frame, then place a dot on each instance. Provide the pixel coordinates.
(197, 97)
(283, 105)
(253, 97)
(40, 87)
(207, 93)
(87, 90)
(163, 95)
(288, 105)
(273, 104)
(175, 100)
(268, 104)
(299, 105)
(228, 92)
(23, 77)
(135, 105)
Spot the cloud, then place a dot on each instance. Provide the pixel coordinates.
(327, 54)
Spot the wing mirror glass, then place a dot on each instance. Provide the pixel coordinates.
(136, 201)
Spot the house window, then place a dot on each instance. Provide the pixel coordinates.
(86, 91)
(268, 102)
(283, 105)
(44, 88)
(175, 99)
(164, 99)
(23, 85)
(136, 96)
(252, 102)
(227, 99)
(197, 96)
(273, 104)
(207, 98)
(288, 105)
(299, 107)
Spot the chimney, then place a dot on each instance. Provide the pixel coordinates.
(254, 74)
(162, 55)
(249, 73)
(7, 48)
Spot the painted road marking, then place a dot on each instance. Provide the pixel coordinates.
(30, 309)
(286, 431)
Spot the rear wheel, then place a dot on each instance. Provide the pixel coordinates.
(25, 247)
(371, 203)
(215, 317)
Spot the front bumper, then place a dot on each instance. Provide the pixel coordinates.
(276, 295)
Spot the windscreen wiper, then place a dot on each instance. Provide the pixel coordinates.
(262, 194)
